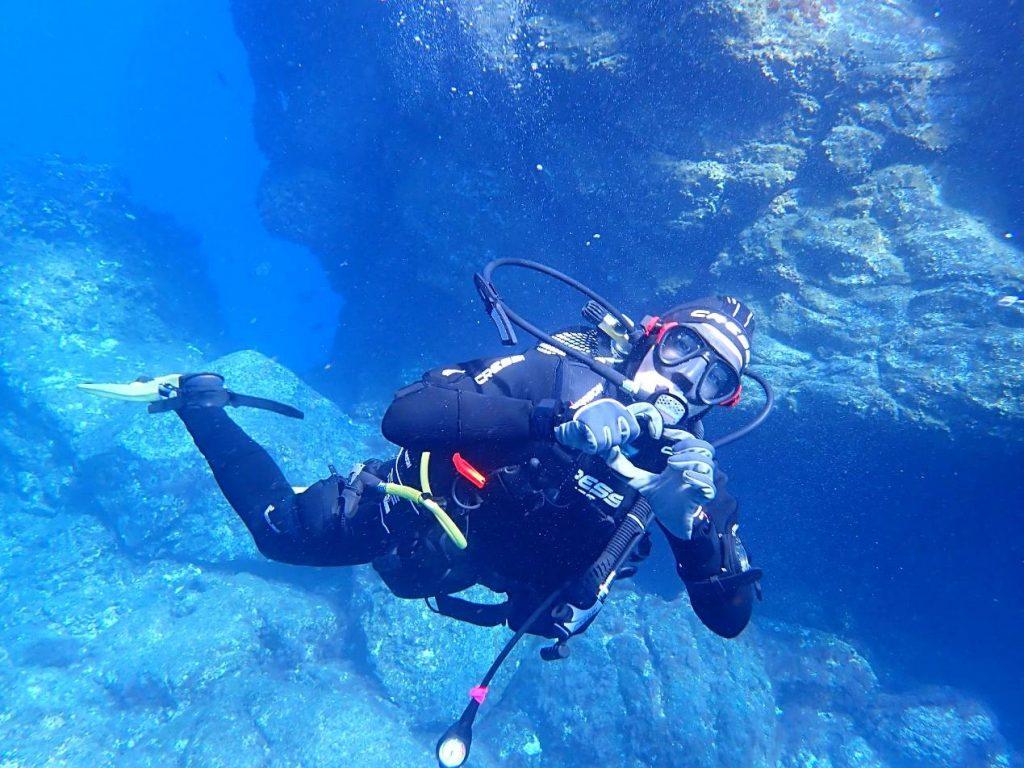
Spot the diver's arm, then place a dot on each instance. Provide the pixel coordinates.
(503, 401)
(426, 417)
(712, 564)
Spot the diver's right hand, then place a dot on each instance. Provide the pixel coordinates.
(598, 427)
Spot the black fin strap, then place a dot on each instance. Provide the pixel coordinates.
(480, 614)
(266, 405)
(162, 406)
(727, 585)
(263, 404)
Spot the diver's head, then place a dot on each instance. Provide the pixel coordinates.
(694, 356)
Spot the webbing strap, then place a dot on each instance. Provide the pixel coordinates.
(480, 614)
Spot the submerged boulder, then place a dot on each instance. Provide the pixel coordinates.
(649, 685)
(108, 660)
(425, 663)
(646, 685)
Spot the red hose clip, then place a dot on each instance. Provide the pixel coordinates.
(478, 693)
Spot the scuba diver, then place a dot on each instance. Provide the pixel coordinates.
(539, 475)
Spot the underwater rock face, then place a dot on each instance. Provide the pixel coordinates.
(649, 685)
(109, 660)
(424, 662)
(574, 111)
(896, 287)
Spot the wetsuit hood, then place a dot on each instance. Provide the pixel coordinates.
(724, 322)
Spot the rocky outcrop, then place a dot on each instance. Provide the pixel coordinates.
(887, 301)
(649, 684)
(108, 660)
(511, 129)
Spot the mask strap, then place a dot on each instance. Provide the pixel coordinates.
(662, 330)
(650, 324)
(734, 400)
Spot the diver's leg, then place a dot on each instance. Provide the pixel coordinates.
(308, 528)
(248, 477)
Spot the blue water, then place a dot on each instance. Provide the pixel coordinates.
(902, 539)
(161, 92)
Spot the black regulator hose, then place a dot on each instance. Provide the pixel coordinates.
(505, 318)
(501, 313)
(454, 745)
(766, 409)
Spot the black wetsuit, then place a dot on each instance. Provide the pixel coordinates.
(542, 517)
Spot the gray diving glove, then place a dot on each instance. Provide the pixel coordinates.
(679, 491)
(598, 427)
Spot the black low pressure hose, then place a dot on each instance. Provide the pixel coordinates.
(592, 586)
(485, 283)
(504, 317)
(454, 745)
(769, 403)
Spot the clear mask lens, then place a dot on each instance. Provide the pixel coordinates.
(678, 345)
(719, 382)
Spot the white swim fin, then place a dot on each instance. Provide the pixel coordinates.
(142, 390)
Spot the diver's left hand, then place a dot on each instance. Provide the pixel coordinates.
(694, 461)
(686, 483)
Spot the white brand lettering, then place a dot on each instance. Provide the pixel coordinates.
(497, 367)
(595, 490)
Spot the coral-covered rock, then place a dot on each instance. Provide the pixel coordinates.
(852, 149)
(736, 183)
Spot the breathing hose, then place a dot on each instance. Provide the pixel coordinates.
(421, 499)
(503, 315)
(766, 409)
(595, 583)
